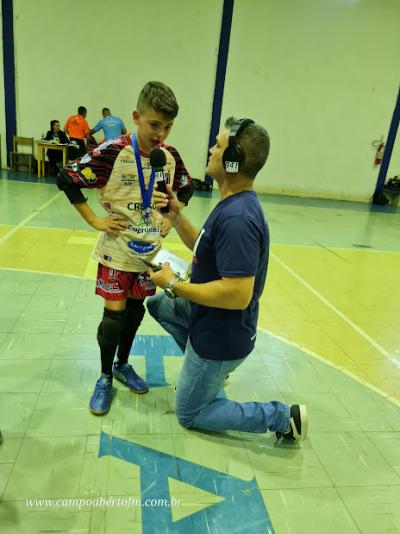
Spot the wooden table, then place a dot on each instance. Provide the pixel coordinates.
(41, 155)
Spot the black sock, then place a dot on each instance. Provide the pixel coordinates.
(134, 313)
(108, 334)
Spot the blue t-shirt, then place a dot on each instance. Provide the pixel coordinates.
(234, 242)
(111, 126)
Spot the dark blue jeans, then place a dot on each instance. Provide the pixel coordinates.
(197, 404)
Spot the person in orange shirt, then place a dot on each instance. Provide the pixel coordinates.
(78, 130)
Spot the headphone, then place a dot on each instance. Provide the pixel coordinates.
(234, 156)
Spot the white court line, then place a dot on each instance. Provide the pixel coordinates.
(345, 249)
(344, 317)
(342, 369)
(41, 272)
(31, 216)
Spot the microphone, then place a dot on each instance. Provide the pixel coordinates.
(158, 161)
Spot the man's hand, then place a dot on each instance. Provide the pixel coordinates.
(161, 200)
(112, 225)
(166, 226)
(162, 277)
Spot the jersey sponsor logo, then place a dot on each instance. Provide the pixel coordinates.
(127, 161)
(74, 167)
(89, 175)
(128, 178)
(112, 273)
(110, 288)
(107, 258)
(143, 229)
(138, 206)
(184, 181)
(141, 248)
(144, 281)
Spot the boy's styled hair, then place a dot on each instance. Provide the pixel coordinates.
(160, 97)
(255, 142)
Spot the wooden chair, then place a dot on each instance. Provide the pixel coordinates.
(16, 156)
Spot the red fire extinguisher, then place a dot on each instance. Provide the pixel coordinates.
(380, 148)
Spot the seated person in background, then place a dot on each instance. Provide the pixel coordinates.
(77, 129)
(58, 136)
(112, 126)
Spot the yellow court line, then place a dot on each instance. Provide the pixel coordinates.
(344, 317)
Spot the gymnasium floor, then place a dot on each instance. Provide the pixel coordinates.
(329, 337)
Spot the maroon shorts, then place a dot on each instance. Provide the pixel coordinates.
(118, 285)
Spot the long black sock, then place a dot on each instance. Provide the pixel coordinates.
(108, 334)
(134, 313)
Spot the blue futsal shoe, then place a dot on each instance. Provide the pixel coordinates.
(127, 375)
(100, 403)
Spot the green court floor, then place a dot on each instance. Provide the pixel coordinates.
(328, 337)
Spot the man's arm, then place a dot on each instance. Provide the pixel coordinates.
(227, 293)
(185, 229)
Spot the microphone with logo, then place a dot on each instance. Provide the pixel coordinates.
(158, 161)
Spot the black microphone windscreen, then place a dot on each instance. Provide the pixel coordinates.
(157, 158)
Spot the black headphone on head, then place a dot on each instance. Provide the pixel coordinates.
(234, 156)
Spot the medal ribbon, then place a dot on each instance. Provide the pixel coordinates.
(146, 193)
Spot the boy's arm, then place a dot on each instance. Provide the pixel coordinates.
(182, 183)
(91, 171)
(111, 225)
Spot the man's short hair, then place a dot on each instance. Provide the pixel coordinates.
(255, 142)
(81, 110)
(160, 97)
(105, 109)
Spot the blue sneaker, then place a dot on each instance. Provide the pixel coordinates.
(126, 374)
(100, 403)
